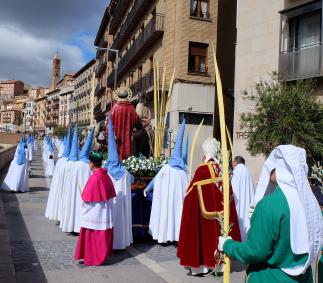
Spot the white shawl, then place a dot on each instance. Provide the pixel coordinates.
(306, 227)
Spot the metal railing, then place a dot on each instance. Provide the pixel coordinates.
(97, 108)
(153, 30)
(118, 14)
(99, 90)
(199, 14)
(101, 68)
(145, 83)
(197, 69)
(130, 23)
(301, 63)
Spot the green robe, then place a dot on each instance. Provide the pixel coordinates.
(268, 249)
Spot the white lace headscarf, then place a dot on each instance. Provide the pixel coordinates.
(306, 227)
(210, 149)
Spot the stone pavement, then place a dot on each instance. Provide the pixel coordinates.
(33, 249)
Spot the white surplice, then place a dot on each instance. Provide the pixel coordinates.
(122, 230)
(169, 192)
(53, 196)
(97, 215)
(243, 191)
(79, 173)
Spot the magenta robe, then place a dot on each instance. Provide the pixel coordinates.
(94, 246)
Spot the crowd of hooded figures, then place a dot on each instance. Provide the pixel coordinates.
(277, 228)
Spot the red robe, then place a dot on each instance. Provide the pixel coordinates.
(198, 237)
(94, 246)
(124, 119)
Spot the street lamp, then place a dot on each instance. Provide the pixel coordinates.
(116, 64)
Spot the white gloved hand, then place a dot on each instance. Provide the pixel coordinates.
(221, 242)
(250, 211)
(145, 192)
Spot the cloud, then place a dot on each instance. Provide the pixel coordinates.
(31, 32)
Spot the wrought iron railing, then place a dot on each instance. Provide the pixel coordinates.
(101, 68)
(200, 14)
(99, 90)
(153, 30)
(130, 23)
(197, 69)
(118, 14)
(145, 83)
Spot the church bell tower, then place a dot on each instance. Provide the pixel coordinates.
(56, 71)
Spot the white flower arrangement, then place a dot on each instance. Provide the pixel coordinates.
(317, 174)
(142, 166)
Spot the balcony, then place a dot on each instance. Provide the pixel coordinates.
(301, 63)
(153, 31)
(199, 14)
(99, 90)
(99, 111)
(139, 8)
(101, 68)
(97, 108)
(197, 70)
(119, 12)
(145, 83)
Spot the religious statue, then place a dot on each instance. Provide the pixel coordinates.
(125, 120)
(143, 137)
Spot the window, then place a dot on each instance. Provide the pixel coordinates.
(139, 72)
(197, 58)
(200, 9)
(196, 118)
(301, 42)
(131, 79)
(305, 31)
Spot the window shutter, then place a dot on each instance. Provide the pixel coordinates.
(197, 51)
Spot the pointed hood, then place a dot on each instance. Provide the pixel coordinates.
(176, 161)
(74, 154)
(185, 150)
(50, 146)
(114, 166)
(21, 159)
(67, 147)
(87, 147)
(22, 140)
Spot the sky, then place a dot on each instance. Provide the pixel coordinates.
(31, 31)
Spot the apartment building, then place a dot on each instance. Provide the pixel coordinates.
(83, 96)
(284, 36)
(52, 110)
(28, 113)
(102, 41)
(65, 101)
(40, 114)
(180, 34)
(11, 120)
(11, 88)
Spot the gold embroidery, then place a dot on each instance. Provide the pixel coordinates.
(213, 180)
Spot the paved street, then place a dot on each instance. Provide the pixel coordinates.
(42, 253)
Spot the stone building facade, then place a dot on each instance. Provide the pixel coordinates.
(40, 114)
(10, 89)
(284, 36)
(180, 34)
(81, 109)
